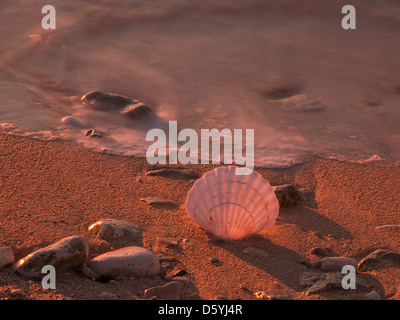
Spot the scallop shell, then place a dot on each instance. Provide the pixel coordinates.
(231, 206)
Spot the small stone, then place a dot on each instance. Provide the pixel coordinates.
(256, 252)
(300, 103)
(379, 258)
(323, 252)
(167, 241)
(108, 229)
(159, 202)
(137, 110)
(67, 254)
(320, 282)
(287, 195)
(17, 292)
(222, 298)
(104, 101)
(6, 256)
(91, 133)
(334, 263)
(373, 295)
(180, 273)
(128, 261)
(186, 173)
(71, 121)
(170, 291)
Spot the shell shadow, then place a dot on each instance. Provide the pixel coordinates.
(310, 220)
(282, 263)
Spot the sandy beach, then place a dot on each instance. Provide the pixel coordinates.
(51, 190)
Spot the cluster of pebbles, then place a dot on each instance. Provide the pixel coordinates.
(71, 254)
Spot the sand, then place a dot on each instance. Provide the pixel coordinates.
(50, 190)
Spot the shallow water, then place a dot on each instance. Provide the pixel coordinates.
(209, 64)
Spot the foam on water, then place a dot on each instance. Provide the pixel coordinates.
(285, 69)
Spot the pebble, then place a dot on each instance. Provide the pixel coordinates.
(6, 256)
(287, 195)
(104, 101)
(378, 258)
(16, 292)
(186, 173)
(300, 103)
(167, 241)
(320, 282)
(108, 229)
(323, 252)
(67, 254)
(137, 110)
(157, 201)
(91, 133)
(255, 251)
(71, 121)
(334, 263)
(170, 291)
(128, 261)
(373, 295)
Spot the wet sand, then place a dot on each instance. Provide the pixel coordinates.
(50, 190)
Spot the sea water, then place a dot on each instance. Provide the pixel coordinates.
(208, 64)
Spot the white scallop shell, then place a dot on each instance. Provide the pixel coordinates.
(6, 256)
(230, 206)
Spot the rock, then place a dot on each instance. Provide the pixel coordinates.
(91, 133)
(129, 261)
(159, 202)
(323, 252)
(17, 292)
(287, 195)
(170, 291)
(256, 252)
(300, 103)
(186, 173)
(108, 229)
(6, 256)
(334, 263)
(320, 282)
(67, 254)
(137, 110)
(373, 295)
(71, 121)
(222, 298)
(104, 101)
(167, 241)
(379, 258)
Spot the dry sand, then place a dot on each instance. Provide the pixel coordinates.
(50, 190)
